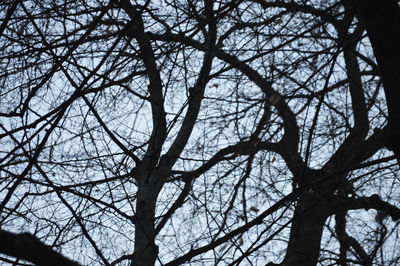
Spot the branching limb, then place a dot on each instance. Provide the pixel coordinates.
(372, 202)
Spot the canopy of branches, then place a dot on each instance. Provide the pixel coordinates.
(205, 132)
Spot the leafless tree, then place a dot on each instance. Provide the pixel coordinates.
(170, 132)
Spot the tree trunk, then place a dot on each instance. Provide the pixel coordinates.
(146, 251)
(382, 21)
(306, 232)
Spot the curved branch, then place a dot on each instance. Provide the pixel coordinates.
(372, 202)
(290, 139)
(241, 148)
(196, 93)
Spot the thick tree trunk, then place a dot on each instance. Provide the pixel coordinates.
(306, 231)
(382, 21)
(146, 251)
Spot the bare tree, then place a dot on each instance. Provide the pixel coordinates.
(199, 132)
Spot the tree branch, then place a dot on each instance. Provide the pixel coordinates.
(258, 220)
(27, 247)
(372, 202)
(155, 87)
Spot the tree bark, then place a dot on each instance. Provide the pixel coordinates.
(306, 230)
(146, 251)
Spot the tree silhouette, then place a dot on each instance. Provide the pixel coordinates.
(204, 132)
